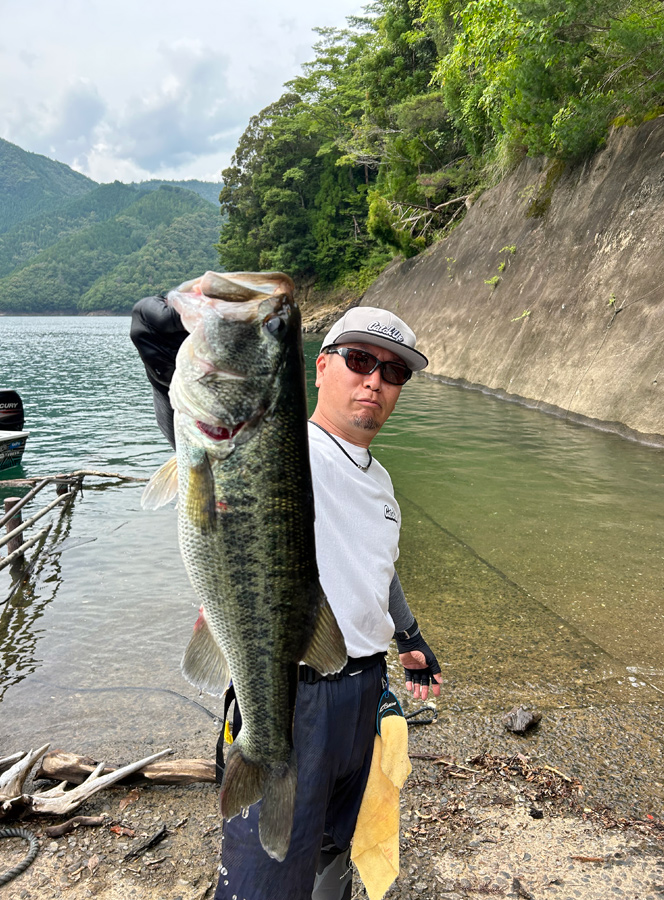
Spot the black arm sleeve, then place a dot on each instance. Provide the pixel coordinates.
(164, 413)
(398, 606)
(157, 333)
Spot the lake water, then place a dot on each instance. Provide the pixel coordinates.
(532, 554)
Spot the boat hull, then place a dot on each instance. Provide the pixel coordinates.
(12, 445)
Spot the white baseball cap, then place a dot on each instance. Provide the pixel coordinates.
(368, 325)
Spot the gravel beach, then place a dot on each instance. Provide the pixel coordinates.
(505, 822)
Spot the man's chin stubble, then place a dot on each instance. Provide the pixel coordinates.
(366, 422)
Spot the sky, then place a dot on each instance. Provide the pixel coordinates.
(129, 90)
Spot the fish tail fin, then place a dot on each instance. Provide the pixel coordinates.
(327, 650)
(245, 782)
(275, 822)
(242, 784)
(203, 663)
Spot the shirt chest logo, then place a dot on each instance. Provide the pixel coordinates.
(390, 513)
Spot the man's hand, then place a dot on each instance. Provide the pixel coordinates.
(157, 332)
(419, 662)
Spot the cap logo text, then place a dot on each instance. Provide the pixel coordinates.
(387, 331)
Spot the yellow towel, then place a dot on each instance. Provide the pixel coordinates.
(375, 849)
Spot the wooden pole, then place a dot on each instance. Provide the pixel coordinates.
(20, 503)
(13, 522)
(61, 487)
(42, 512)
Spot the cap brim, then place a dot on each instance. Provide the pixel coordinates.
(413, 358)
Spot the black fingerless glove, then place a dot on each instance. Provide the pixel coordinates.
(410, 641)
(157, 333)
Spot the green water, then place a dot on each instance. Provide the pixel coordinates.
(532, 555)
(570, 515)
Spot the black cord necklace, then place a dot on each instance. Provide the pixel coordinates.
(345, 452)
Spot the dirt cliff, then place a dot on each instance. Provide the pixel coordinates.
(551, 291)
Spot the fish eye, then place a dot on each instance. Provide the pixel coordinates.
(274, 324)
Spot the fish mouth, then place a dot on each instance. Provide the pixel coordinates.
(218, 432)
(235, 296)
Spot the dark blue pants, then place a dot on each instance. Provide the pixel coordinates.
(334, 735)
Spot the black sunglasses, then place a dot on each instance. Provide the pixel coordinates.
(364, 363)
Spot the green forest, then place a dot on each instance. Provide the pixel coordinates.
(106, 250)
(31, 184)
(69, 245)
(408, 114)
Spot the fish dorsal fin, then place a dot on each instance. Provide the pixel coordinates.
(203, 663)
(162, 487)
(327, 651)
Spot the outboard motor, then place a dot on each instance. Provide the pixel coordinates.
(11, 411)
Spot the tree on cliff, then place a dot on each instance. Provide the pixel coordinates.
(374, 147)
(547, 76)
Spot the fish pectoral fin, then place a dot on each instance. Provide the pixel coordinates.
(203, 664)
(162, 487)
(245, 782)
(327, 651)
(200, 503)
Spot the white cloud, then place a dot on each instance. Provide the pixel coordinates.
(164, 89)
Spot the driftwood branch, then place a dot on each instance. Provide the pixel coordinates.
(58, 801)
(13, 779)
(60, 765)
(151, 842)
(7, 761)
(80, 473)
(71, 824)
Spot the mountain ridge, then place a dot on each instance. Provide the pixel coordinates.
(69, 244)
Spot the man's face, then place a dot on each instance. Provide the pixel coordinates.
(358, 405)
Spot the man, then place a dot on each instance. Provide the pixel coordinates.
(365, 359)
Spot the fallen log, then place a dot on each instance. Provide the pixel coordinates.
(61, 765)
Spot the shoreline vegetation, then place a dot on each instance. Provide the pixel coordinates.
(406, 116)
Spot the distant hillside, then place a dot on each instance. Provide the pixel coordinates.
(171, 255)
(31, 184)
(26, 240)
(208, 190)
(68, 244)
(164, 237)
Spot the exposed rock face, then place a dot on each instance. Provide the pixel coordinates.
(574, 323)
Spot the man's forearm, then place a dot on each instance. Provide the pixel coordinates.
(398, 606)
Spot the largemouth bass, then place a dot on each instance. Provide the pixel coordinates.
(246, 526)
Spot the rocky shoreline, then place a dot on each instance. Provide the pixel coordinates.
(485, 825)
